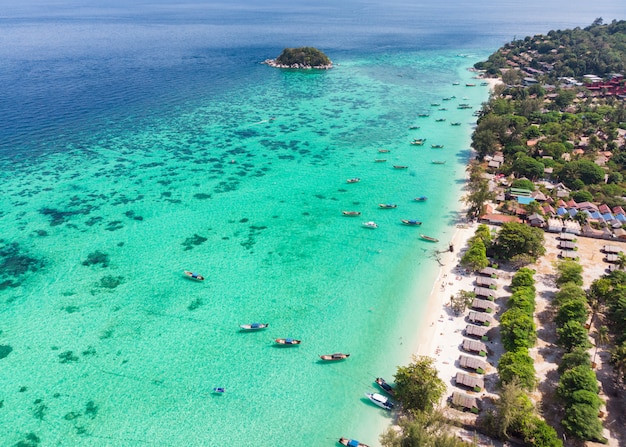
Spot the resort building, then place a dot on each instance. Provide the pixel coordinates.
(475, 346)
(478, 365)
(490, 294)
(464, 401)
(480, 318)
(484, 305)
(475, 383)
(472, 330)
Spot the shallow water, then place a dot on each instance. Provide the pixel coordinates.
(132, 152)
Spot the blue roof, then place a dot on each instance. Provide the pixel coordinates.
(620, 217)
(572, 212)
(524, 200)
(607, 216)
(560, 211)
(596, 215)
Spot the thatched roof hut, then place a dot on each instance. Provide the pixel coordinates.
(464, 401)
(476, 383)
(478, 365)
(484, 305)
(475, 346)
(483, 291)
(480, 317)
(472, 330)
(489, 271)
(488, 282)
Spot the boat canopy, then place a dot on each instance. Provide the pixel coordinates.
(353, 443)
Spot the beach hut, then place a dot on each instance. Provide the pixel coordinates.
(478, 365)
(620, 233)
(613, 258)
(472, 330)
(475, 346)
(480, 318)
(465, 402)
(475, 383)
(489, 272)
(612, 249)
(567, 245)
(486, 282)
(567, 237)
(484, 305)
(485, 292)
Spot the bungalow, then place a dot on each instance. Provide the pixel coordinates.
(539, 196)
(488, 282)
(475, 346)
(612, 249)
(472, 330)
(475, 383)
(620, 233)
(488, 271)
(567, 237)
(478, 365)
(485, 292)
(568, 254)
(612, 258)
(536, 220)
(567, 245)
(484, 305)
(555, 225)
(480, 318)
(571, 227)
(465, 402)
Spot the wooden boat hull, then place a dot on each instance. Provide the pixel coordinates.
(353, 180)
(400, 167)
(253, 326)
(287, 341)
(371, 225)
(411, 223)
(351, 213)
(387, 205)
(194, 276)
(334, 357)
(384, 385)
(428, 238)
(351, 442)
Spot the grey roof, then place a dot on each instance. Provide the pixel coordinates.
(469, 380)
(569, 254)
(483, 291)
(478, 331)
(483, 304)
(611, 258)
(567, 236)
(463, 400)
(474, 346)
(482, 281)
(568, 245)
(612, 249)
(472, 362)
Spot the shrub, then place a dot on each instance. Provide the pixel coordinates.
(517, 366)
(517, 329)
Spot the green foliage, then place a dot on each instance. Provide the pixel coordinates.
(306, 56)
(418, 386)
(511, 409)
(568, 291)
(523, 184)
(572, 310)
(519, 239)
(523, 278)
(517, 365)
(483, 233)
(582, 196)
(581, 422)
(523, 298)
(475, 258)
(425, 429)
(461, 301)
(584, 170)
(537, 433)
(528, 167)
(517, 329)
(569, 271)
(572, 334)
(577, 357)
(577, 378)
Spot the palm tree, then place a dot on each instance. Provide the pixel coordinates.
(618, 359)
(602, 337)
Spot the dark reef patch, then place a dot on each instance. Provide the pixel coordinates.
(91, 409)
(193, 241)
(60, 217)
(202, 196)
(5, 350)
(131, 215)
(31, 440)
(67, 357)
(14, 263)
(95, 258)
(93, 220)
(110, 282)
(114, 225)
(41, 233)
(195, 304)
(71, 309)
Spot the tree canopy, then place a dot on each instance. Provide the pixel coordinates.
(516, 239)
(418, 386)
(304, 56)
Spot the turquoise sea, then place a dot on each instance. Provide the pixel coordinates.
(140, 141)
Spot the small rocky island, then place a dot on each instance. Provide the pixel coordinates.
(303, 57)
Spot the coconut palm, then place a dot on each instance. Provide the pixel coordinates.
(602, 337)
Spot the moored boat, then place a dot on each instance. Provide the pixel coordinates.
(287, 341)
(351, 213)
(384, 385)
(387, 205)
(334, 357)
(428, 238)
(380, 160)
(470, 85)
(383, 151)
(370, 224)
(353, 180)
(440, 120)
(421, 199)
(219, 390)
(456, 123)
(437, 146)
(193, 275)
(438, 162)
(380, 400)
(400, 167)
(414, 223)
(351, 442)
(423, 115)
(253, 326)
(414, 127)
